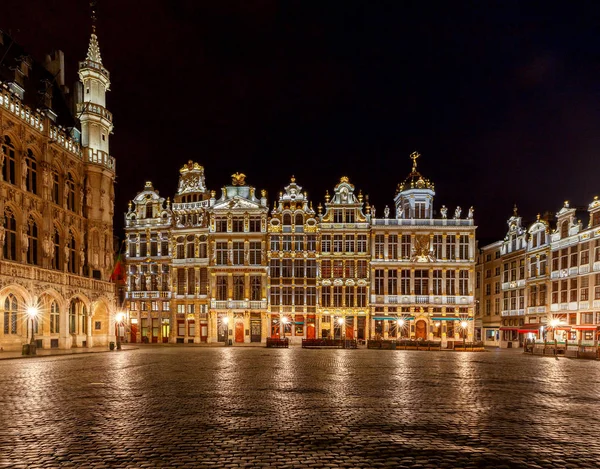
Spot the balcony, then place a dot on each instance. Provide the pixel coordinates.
(514, 312)
(421, 299)
(238, 304)
(148, 295)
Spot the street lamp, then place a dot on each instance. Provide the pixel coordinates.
(226, 332)
(284, 321)
(341, 321)
(32, 312)
(464, 325)
(401, 323)
(118, 321)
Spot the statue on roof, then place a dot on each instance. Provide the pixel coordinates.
(444, 211)
(470, 215)
(413, 156)
(238, 179)
(457, 212)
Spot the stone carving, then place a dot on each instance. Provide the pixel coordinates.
(386, 212)
(444, 211)
(2, 234)
(47, 246)
(24, 240)
(457, 212)
(238, 179)
(470, 214)
(24, 171)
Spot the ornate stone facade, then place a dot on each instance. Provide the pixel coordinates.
(217, 270)
(56, 196)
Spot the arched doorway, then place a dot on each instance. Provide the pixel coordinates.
(421, 329)
(239, 330)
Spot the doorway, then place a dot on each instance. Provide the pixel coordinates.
(421, 330)
(239, 331)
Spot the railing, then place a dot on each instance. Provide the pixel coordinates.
(238, 304)
(421, 299)
(329, 343)
(148, 294)
(88, 106)
(95, 66)
(422, 222)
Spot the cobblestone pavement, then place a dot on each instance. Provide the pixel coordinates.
(250, 407)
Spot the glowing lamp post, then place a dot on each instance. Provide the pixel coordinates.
(341, 321)
(400, 327)
(118, 322)
(464, 326)
(284, 321)
(32, 312)
(226, 333)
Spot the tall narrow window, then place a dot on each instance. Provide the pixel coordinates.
(8, 169)
(451, 247)
(238, 287)
(379, 242)
(450, 282)
(221, 253)
(11, 307)
(10, 240)
(191, 281)
(379, 282)
(54, 318)
(255, 251)
(393, 247)
(405, 282)
(72, 254)
(405, 247)
(437, 282)
(70, 193)
(463, 282)
(31, 176)
(32, 238)
(55, 187)
(392, 282)
(221, 287)
(56, 258)
(255, 288)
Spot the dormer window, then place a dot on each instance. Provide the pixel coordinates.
(149, 211)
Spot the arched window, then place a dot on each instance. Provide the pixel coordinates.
(10, 236)
(287, 219)
(9, 163)
(70, 193)
(77, 317)
(10, 314)
(72, 254)
(56, 259)
(32, 250)
(299, 219)
(148, 210)
(190, 247)
(54, 318)
(31, 177)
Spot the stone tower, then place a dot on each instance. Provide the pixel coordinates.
(96, 126)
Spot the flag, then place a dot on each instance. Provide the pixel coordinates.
(118, 274)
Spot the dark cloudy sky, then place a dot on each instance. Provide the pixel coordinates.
(500, 97)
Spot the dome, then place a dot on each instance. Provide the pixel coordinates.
(415, 179)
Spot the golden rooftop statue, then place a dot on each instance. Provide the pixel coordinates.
(190, 166)
(293, 179)
(344, 179)
(238, 179)
(413, 156)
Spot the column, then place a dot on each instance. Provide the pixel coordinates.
(196, 319)
(88, 337)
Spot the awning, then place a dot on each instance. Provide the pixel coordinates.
(393, 318)
(586, 328)
(528, 331)
(446, 318)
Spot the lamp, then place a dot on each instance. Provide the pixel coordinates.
(464, 325)
(118, 321)
(32, 312)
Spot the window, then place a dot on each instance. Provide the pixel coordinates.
(238, 253)
(450, 282)
(221, 287)
(349, 269)
(437, 282)
(298, 243)
(361, 297)
(405, 282)
(8, 169)
(275, 242)
(488, 289)
(286, 268)
(497, 288)
(338, 268)
(286, 296)
(463, 247)
(238, 287)
(361, 269)
(221, 253)
(54, 187)
(349, 297)
(255, 288)
(70, 193)
(463, 282)
(496, 306)
(326, 296)
(326, 243)
(32, 243)
(337, 296)
(10, 240)
(350, 242)
(311, 268)
(298, 268)
(437, 246)
(286, 244)
(311, 243)
(584, 289)
(421, 282)
(311, 295)
(405, 246)
(190, 248)
(274, 268)
(379, 281)
(56, 258)
(337, 243)
(11, 308)
(275, 296)
(299, 296)
(393, 247)
(191, 282)
(203, 280)
(31, 173)
(326, 269)
(254, 253)
(451, 247)
(221, 225)
(337, 216)
(573, 292)
(392, 282)
(349, 216)
(379, 242)
(361, 243)
(54, 318)
(72, 251)
(238, 225)
(255, 224)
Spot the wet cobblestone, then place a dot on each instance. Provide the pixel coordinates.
(294, 408)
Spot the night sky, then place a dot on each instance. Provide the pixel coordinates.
(501, 98)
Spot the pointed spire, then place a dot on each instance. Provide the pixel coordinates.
(93, 54)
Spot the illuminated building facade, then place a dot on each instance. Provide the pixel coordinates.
(232, 272)
(422, 268)
(56, 201)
